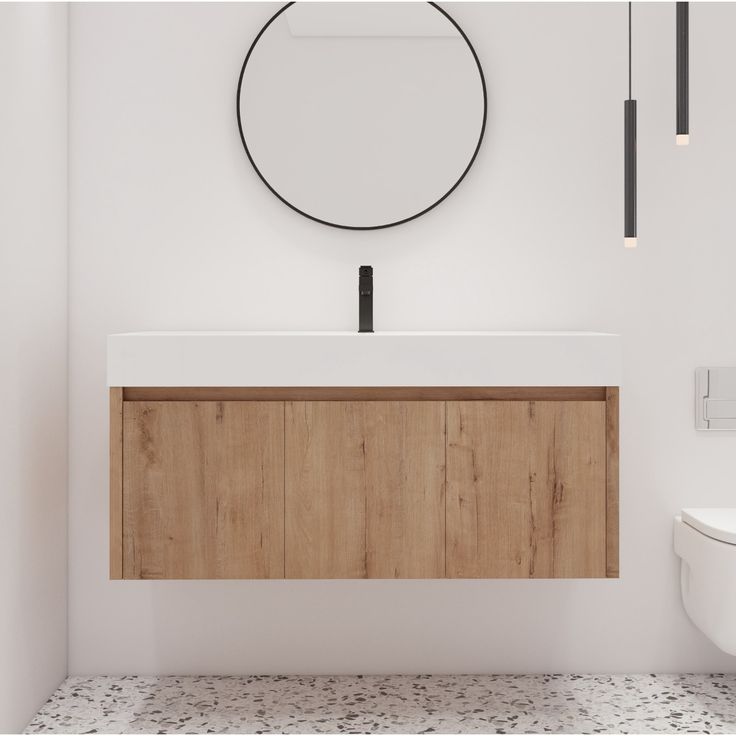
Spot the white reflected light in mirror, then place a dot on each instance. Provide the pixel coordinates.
(361, 115)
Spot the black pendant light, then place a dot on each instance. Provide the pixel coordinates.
(682, 137)
(630, 161)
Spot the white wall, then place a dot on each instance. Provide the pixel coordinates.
(33, 357)
(171, 229)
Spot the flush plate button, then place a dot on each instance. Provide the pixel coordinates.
(715, 398)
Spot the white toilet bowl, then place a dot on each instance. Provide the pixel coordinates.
(705, 539)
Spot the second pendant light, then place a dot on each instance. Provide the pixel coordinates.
(630, 161)
(682, 136)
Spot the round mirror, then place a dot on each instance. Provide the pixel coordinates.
(361, 115)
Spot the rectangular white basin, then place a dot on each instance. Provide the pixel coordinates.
(350, 359)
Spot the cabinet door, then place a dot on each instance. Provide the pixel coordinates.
(203, 489)
(526, 494)
(365, 489)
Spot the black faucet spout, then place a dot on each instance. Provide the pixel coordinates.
(365, 299)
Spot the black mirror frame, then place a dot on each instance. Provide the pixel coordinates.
(364, 227)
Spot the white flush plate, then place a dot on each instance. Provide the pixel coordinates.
(715, 398)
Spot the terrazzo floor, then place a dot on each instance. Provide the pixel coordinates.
(393, 704)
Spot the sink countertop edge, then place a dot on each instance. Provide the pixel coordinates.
(177, 359)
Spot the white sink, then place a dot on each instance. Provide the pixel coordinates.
(352, 359)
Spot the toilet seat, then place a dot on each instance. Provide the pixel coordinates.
(717, 523)
(705, 540)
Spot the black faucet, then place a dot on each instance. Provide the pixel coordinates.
(365, 299)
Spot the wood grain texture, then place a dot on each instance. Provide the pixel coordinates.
(366, 393)
(116, 483)
(365, 489)
(203, 490)
(526, 494)
(612, 481)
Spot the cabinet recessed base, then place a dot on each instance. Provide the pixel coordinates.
(392, 482)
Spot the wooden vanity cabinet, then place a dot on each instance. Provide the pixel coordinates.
(363, 483)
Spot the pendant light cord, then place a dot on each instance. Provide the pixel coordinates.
(629, 50)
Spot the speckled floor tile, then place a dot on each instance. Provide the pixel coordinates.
(393, 704)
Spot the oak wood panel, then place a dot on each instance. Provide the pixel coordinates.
(526, 493)
(366, 393)
(365, 489)
(116, 483)
(203, 490)
(612, 481)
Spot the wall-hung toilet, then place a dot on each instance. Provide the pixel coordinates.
(705, 539)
